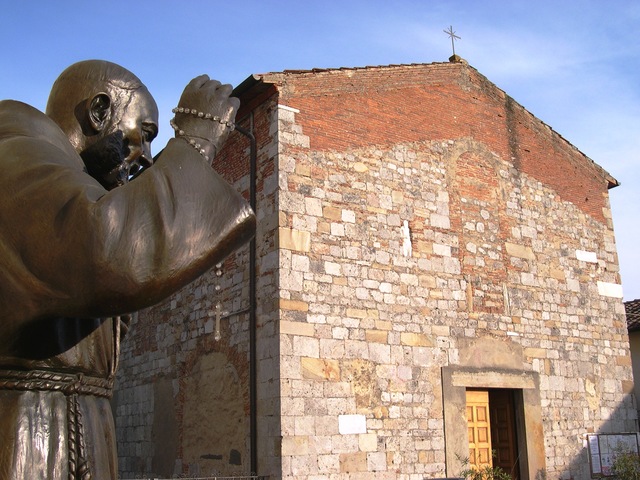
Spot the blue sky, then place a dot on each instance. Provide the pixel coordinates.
(573, 64)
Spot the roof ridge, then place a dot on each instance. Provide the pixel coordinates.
(365, 67)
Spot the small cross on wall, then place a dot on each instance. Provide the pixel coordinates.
(219, 316)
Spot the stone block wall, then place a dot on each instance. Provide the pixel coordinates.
(367, 330)
(512, 268)
(419, 233)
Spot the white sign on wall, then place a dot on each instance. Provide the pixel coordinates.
(352, 424)
(604, 447)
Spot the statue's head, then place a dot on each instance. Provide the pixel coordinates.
(109, 117)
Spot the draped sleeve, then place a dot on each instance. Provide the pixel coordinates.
(70, 248)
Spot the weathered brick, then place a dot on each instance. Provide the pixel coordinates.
(296, 240)
(320, 369)
(416, 340)
(296, 305)
(353, 462)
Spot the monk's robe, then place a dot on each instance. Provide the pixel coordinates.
(74, 259)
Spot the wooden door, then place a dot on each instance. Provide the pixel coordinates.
(503, 431)
(479, 428)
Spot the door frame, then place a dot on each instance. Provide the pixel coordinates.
(528, 412)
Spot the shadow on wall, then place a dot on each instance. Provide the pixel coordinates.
(621, 420)
(549, 424)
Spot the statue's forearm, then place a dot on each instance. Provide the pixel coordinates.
(174, 223)
(98, 253)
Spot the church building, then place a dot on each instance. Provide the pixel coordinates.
(433, 284)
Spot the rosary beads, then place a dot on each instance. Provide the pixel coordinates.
(204, 116)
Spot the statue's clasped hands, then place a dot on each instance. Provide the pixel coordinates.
(205, 115)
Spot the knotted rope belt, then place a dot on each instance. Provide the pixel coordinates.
(71, 385)
(67, 383)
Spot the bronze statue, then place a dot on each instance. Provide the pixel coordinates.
(91, 229)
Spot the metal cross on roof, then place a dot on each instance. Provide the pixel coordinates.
(453, 36)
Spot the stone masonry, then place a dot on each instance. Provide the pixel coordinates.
(420, 233)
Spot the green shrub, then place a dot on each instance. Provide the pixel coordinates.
(483, 473)
(626, 466)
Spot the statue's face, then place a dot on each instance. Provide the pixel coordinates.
(139, 125)
(123, 147)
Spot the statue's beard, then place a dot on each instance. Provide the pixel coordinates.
(105, 160)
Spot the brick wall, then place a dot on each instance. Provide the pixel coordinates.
(383, 106)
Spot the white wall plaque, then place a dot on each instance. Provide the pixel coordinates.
(610, 289)
(350, 424)
(586, 256)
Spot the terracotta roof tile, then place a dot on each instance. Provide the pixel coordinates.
(632, 308)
